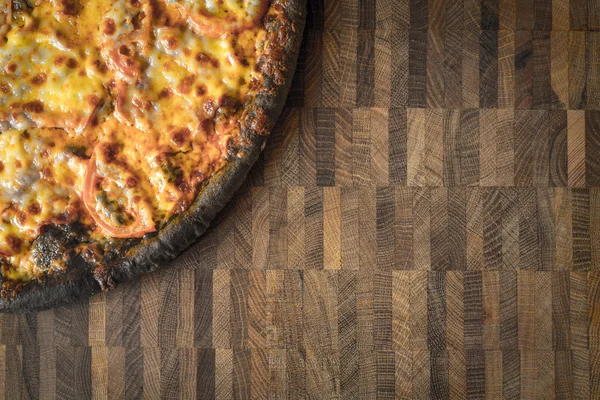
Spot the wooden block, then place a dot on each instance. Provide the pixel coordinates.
(469, 144)
(455, 312)
(418, 310)
(559, 61)
(403, 228)
(223, 373)
(349, 198)
(307, 148)
(365, 68)
(470, 70)
(546, 228)
(595, 227)
(490, 302)
(507, 14)
(313, 73)
(331, 60)
(473, 310)
(361, 147)
(475, 373)
(579, 311)
(542, 86)
(543, 311)
(382, 70)
(435, 69)
(421, 232)
(348, 54)
(400, 68)
(401, 311)
(295, 227)
(325, 146)
(488, 61)
(417, 68)
(403, 367)
(331, 228)
(320, 322)
(385, 239)
(348, 353)
(577, 69)
(523, 69)
(418, 15)
(205, 373)
(343, 146)
(379, 151)
(592, 146)
(367, 228)
(474, 229)
(509, 315)
(580, 201)
(453, 55)
(561, 311)
(506, 69)
(452, 148)
(592, 57)
(221, 309)
(260, 226)
(277, 255)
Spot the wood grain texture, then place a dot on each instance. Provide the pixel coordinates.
(424, 223)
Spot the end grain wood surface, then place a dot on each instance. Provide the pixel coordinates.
(424, 223)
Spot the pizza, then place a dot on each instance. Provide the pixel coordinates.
(125, 126)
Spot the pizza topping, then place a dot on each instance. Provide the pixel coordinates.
(118, 219)
(112, 115)
(216, 18)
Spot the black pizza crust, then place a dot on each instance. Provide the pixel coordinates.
(83, 278)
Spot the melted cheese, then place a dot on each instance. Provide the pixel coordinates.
(134, 87)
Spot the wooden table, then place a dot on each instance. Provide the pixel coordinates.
(423, 223)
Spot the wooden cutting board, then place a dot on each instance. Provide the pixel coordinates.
(423, 223)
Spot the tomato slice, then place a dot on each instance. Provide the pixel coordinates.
(206, 24)
(141, 225)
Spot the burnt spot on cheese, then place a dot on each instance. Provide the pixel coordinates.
(67, 7)
(59, 60)
(47, 173)
(21, 217)
(14, 243)
(34, 208)
(186, 84)
(206, 59)
(228, 102)
(35, 107)
(165, 93)
(101, 66)
(5, 88)
(18, 164)
(171, 43)
(200, 90)
(132, 182)
(72, 63)
(11, 67)
(110, 151)
(180, 136)
(109, 27)
(1, 167)
(39, 79)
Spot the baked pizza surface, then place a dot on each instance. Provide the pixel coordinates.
(114, 114)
